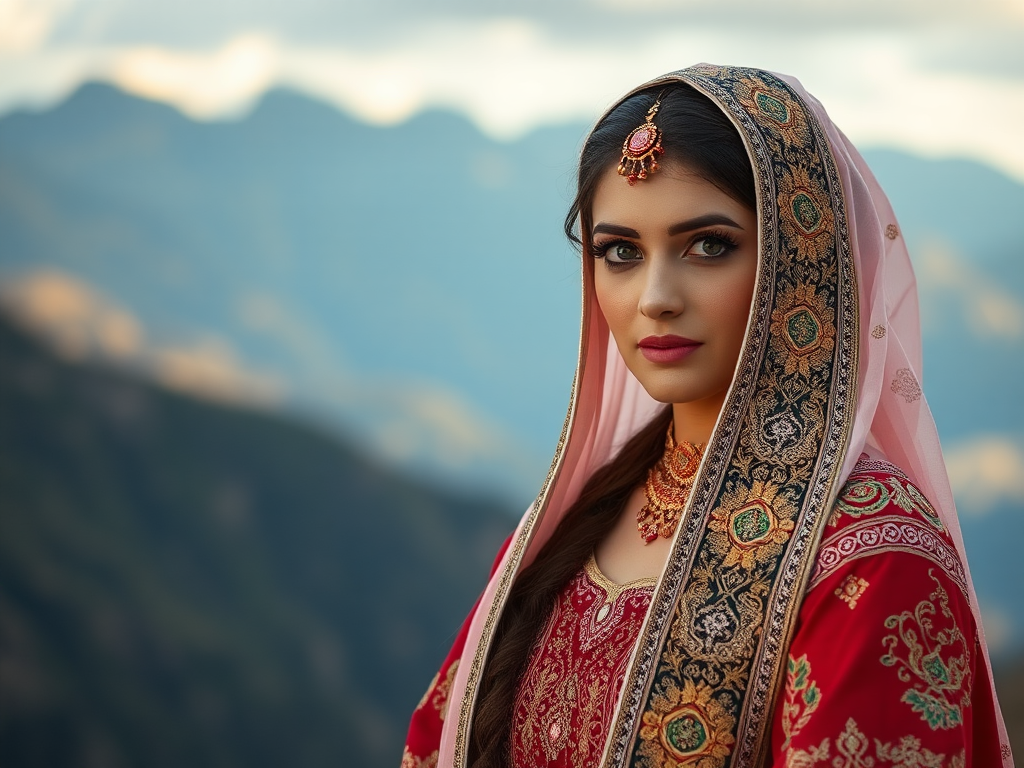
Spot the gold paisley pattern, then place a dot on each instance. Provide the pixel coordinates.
(905, 385)
(929, 651)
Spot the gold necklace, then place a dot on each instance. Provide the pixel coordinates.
(667, 488)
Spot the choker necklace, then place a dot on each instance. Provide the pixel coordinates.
(668, 487)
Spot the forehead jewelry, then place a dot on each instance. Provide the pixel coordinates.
(641, 148)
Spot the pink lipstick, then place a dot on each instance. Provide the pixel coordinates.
(666, 349)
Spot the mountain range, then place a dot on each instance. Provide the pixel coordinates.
(183, 583)
(408, 287)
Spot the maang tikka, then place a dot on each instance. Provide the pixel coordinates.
(641, 148)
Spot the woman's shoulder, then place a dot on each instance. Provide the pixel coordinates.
(884, 666)
(881, 510)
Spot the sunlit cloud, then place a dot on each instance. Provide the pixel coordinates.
(203, 85)
(882, 84)
(986, 470)
(26, 24)
(79, 323)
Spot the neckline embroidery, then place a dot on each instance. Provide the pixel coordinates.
(612, 591)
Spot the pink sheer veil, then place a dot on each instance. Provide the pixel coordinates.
(892, 419)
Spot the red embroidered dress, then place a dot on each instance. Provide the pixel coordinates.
(567, 696)
(884, 669)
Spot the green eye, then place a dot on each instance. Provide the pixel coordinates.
(710, 246)
(622, 252)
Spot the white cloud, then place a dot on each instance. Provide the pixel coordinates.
(202, 85)
(986, 470)
(26, 24)
(883, 85)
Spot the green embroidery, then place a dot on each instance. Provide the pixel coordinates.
(868, 496)
(773, 107)
(751, 524)
(803, 329)
(923, 655)
(864, 497)
(686, 733)
(802, 698)
(806, 212)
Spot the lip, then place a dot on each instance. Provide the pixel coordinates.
(666, 349)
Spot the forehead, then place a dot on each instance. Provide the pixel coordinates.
(671, 194)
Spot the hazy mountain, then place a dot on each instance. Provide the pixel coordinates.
(185, 584)
(410, 284)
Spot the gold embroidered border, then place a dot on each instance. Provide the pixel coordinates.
(777, 452)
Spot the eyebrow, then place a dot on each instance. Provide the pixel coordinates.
(689, 225)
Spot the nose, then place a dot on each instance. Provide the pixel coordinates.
(662, 296)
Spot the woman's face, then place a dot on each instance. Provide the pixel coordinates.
(675, 261)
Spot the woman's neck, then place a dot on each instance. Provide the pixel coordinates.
(694, 421)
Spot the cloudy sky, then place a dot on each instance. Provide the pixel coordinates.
(940, 77)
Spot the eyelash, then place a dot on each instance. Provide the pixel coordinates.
(600, 250)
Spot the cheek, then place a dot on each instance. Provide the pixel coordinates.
(616, 301)
(733, 303)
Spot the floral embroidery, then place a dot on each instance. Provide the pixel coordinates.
(687, 728)
(567, 694)
(800, 330)
(441, 696)
(756, 523)
(909, 753)
(802, 699)
(905, 385)
(437, 694)
(852, 745)
(430, 690)
(866, 495)
(409, 760)
(851, 589)
(892, 231)
(923, 655)
(854, 752)
(878, 332)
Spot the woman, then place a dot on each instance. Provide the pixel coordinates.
(746, 552)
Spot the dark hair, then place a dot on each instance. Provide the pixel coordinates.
(699, 136)
(695, 134)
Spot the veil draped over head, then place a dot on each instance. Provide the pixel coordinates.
(829, 370)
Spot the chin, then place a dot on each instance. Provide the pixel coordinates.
(666, 387)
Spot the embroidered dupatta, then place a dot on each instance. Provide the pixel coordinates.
(829, 367)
